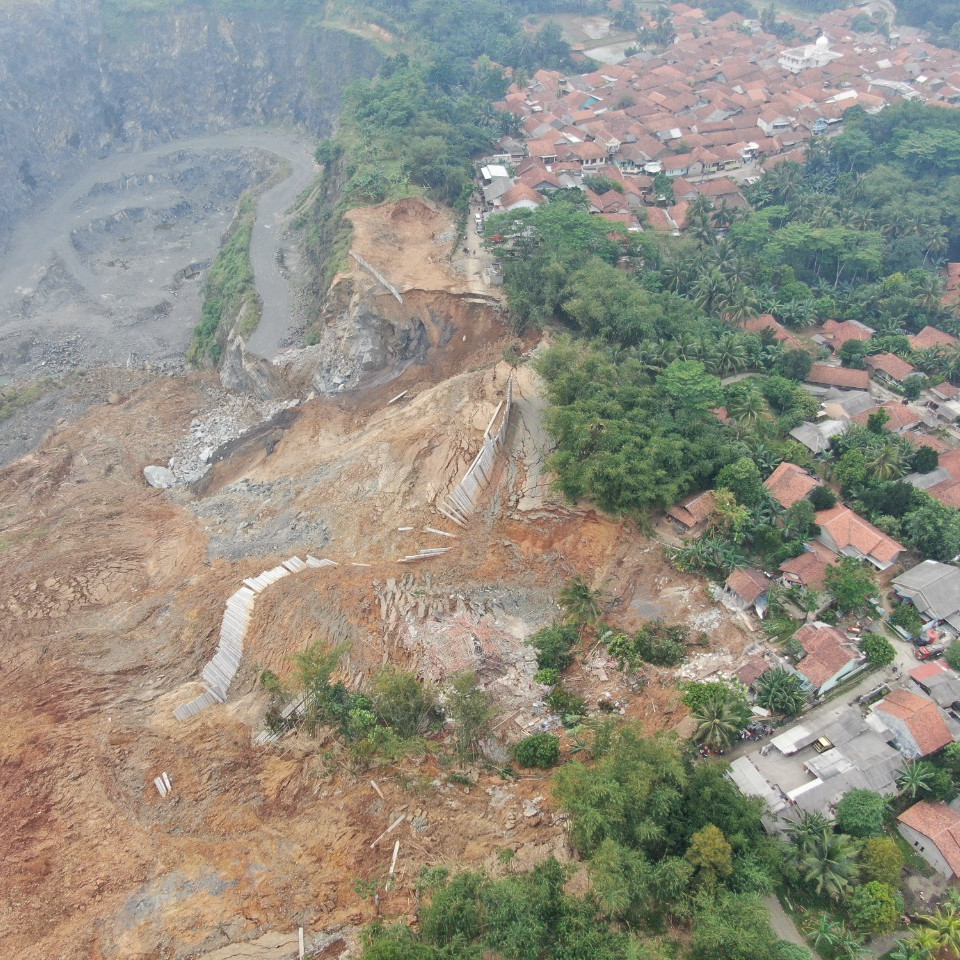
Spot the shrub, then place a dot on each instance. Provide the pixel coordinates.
(548, 677)
(401, 701)
(656, 643)
(907, 617)
(469, 707)
(567, 704)
(875, 908)
(878, 650)
(881, 860)
(541, 750)
(924, 460)
(861, 813)
(554, 646)
(952, 655)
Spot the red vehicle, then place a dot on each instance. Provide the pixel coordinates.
(930, 652)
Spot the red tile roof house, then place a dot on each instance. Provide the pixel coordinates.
(889, 367)
(933, 830)
(929, 338)
(745, 589)
(848, 534)
(830, 656)
(918, 725)
(823, 375)
(692, 516)
(835, 334)
(767, 321)
(901, 417)
(789, 484)
(809, 569)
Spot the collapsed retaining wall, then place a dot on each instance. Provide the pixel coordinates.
(218, 674)
(462, 500)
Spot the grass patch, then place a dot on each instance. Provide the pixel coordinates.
(17, 396)
(229, 293)
(20, 537)
(911, 858)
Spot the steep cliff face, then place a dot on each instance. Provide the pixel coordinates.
(73, 89)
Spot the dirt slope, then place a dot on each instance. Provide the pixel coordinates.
(112, 595)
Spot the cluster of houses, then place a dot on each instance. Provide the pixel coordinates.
(812, 765)
(866, 744)
(850, 396)
(724, 95)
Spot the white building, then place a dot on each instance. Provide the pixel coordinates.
(798, 59)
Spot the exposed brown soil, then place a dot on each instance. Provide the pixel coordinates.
(112, 605)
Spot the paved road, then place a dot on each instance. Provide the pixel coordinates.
(267, 242)
(782, 922)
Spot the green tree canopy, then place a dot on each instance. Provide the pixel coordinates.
(861, 813)
(851, 583)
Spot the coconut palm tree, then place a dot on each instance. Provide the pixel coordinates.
(915, 778)
(724, 216)
(936, 243)
(929, 290)
(719, 720)
(580, 602)
(885, 461)
(709, 287)
(830, 864)
(728, 356)
(807, 832)
(748, 408)
(739, 304)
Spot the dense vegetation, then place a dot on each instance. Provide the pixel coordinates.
(229, 293)
(670, 845)
(940, 18)
(857, 232)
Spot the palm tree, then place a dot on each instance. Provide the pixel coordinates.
(782, 691)
(929, 291)
(885, 461)
(580, 602)
(861, 219)
(728, 356)
(808, 832)
(830, 864)
(748, 408)
(784, 181)
(915, 778)
(723, 216)
(945, 925)
(719, 720)
(936, 243)
(709, 286)
(740, 303)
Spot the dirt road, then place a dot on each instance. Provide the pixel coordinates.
(107, 272)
